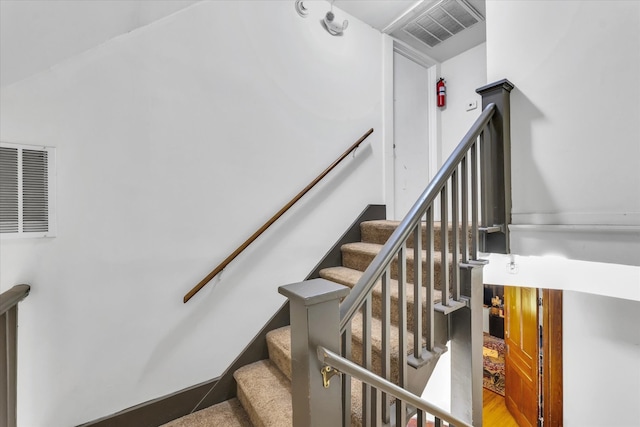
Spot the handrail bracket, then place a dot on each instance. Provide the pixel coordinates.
(328, 372)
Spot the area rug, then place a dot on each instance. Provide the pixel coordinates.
(493, 364)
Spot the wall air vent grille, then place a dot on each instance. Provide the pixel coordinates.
(26, 191)
(443, 20)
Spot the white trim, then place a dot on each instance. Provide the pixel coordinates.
(434, 123)
(572, 228)
(413, 54)
(387, 123)
(577, 218)
(391, 46)
(618, 244)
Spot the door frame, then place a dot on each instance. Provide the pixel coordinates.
(391, 47)
(552, 381)
(550, 389)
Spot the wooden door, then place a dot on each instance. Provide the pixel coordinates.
(522, 354)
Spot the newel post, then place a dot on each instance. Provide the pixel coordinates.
(495, 161)
(315, 320)
(465, 335)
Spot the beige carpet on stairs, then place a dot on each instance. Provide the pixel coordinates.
(264, 387)
(225, 414)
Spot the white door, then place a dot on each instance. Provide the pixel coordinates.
(411, 133)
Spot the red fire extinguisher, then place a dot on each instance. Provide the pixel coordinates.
(441, 91)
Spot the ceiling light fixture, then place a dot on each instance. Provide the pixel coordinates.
(334, 28)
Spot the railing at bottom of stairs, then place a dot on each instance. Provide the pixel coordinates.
(473, 186)
(335, 364)
(8, 352)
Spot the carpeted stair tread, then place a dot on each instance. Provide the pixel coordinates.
(226, 414)
(379, 231)
(279, 345)
(359, 255)
(279, 342)
(265, 394)
(349, 277)
(376, 344)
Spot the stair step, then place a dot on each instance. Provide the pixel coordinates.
(224, 414)
(359, 255)
(379, 231)
(376, 345)
(349, 277)
(279, 345)
(265, 394)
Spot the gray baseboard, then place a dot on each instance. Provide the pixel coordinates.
(167, 408)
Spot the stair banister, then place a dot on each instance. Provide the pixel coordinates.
(273, 219)
(496, 169)
(485, 150)
(8, 352)
(359, 293)
(345, 366)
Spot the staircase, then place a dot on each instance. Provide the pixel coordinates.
(264, 387)
(387, 334)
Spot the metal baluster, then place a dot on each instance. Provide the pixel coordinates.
(444, 245)
(417, 291)
(401, 413)
(438, 422)
(366, 360)
(455, 242)
(346, 379)
(486, 179)
(386, 338)
(429, 330)
(376, 410)
(474, 201)
(420, 418)
(464, 198)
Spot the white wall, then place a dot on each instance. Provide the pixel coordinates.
(174, 143)
(463, 74)
(575, 109)
(601, 344)
(575, 176)
(37, 34)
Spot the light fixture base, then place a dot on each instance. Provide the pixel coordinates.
(301, 8)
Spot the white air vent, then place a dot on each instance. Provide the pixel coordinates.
(442, 21)
(26, 190)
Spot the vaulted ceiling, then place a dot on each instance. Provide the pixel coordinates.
(37, 34)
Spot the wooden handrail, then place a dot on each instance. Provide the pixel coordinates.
(273, 219)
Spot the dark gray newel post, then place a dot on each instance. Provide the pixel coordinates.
(315, 320)
(466, 348)
(495, 161)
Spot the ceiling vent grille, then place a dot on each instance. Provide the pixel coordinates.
(443, 20)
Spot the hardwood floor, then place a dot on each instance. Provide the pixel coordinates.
(495, 412)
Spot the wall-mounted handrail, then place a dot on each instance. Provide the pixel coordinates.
(352, 369)
(13, 296)
(273, 219)
(362, 289)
